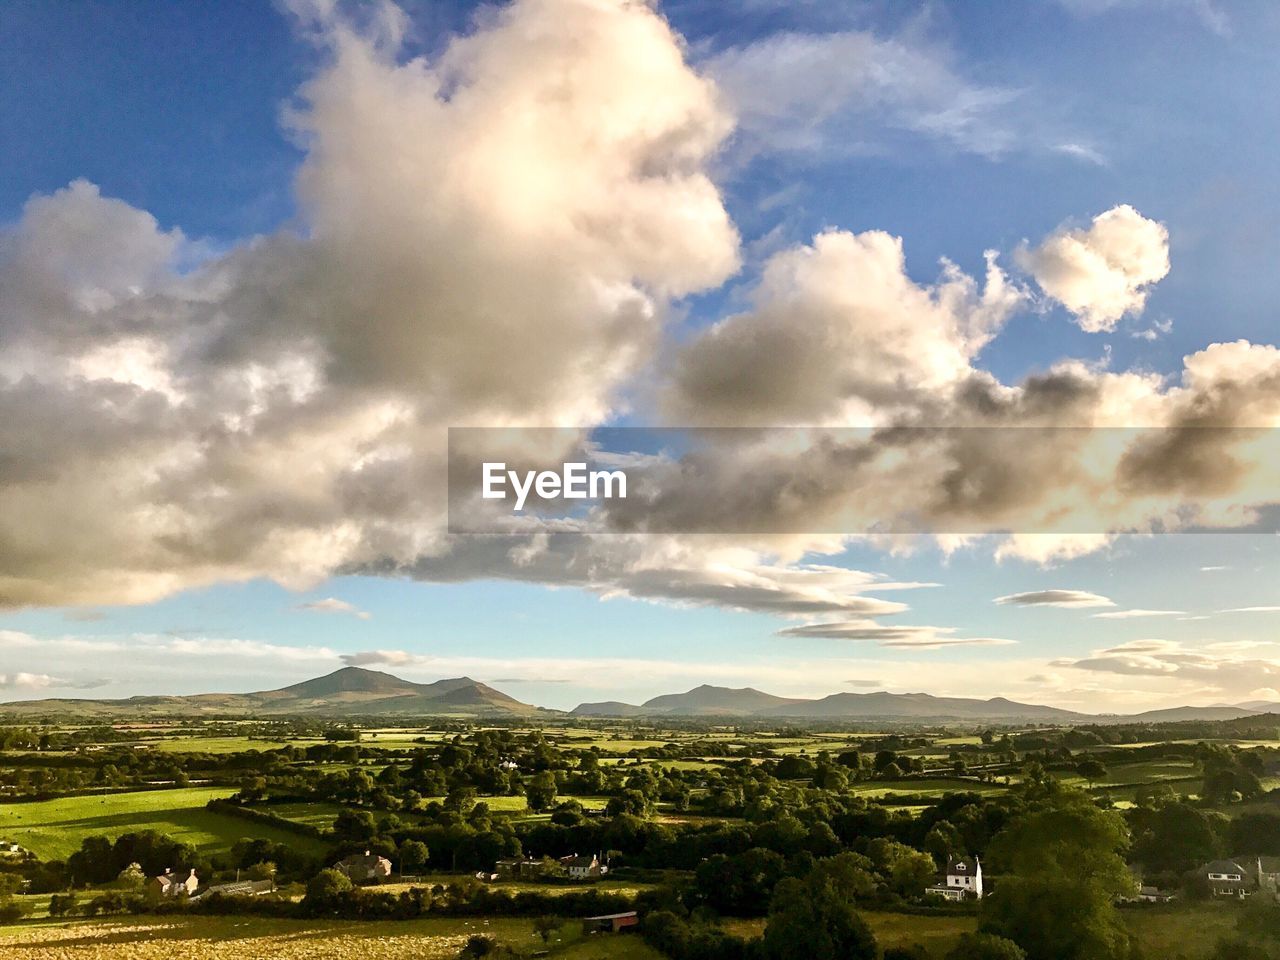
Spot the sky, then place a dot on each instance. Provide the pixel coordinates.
(257, 258)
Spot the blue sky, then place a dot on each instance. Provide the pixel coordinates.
(957, 127)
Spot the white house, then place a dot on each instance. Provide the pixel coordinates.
(584, 868)
(961, 881)
(172, 883)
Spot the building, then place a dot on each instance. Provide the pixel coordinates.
(610, 922)
(171, 884)
(517, 868)
(583, 868)
(1226, 878)
(364, 867)
(1267, 875)
(962, 880)
(239, 888)
(1150, 894)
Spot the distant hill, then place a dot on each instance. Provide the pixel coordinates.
(1259, 706)
(1178, 714)
(915, 706)
(607, 708)
(346, 692)
(724, 701)
(709, 700)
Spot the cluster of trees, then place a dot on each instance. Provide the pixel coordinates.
(1062, 868)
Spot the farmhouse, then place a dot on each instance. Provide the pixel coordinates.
(961, 881)
(1227, 878)
(514, 869)
(171, 884)
(364, 868)
(583, 868)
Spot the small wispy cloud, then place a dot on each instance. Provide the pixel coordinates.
(389, 658)
(1081, 151)
(914, 637)
(43, 681)
(1139, 612)
(1055, 598)
(530, 680)
(1262, 609)
(334, 605)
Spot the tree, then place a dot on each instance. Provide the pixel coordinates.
(1091, 770)
(985, 946)
(10, 908)
(1063, 872)
(1175, 837)
(262, 870)
(809, 919)
(131, 878)
(546, 926)
(62, 904)
(327, 885)
(911, 873)
(414, 856)
(355, 825)
(541, 791)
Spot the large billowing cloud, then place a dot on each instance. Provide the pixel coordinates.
(488, 237)
(839, 332)
(1103, 272)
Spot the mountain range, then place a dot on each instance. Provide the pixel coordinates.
(355, 691)
(706, 701)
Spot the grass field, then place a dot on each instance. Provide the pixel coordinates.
(213, 744)
(923, 788)
(1174, 932)
(234, 938)
(53, 829)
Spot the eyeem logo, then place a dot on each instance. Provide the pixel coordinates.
(573, 482)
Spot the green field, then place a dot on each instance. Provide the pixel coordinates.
(213, 744)
(53, 829)
(1175, 932)
(242, 938)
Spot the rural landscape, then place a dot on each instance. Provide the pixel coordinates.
(639, 480)
(358, 812)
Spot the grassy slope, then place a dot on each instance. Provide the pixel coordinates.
(54, 828)
(1174, 932)
(240, 938)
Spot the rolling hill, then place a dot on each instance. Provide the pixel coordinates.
(747, 702)
(351, 691)
(707, 700)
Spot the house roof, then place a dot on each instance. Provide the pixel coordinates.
(580, 861)
(962, 865)
(1252, 862)
(365, 858)
(1224, 866)
(175, 876)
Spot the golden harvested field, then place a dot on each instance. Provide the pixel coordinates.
(240, 938)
